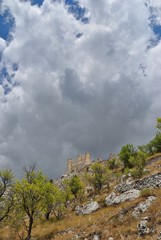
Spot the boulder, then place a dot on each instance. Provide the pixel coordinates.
(112, 199)
(143, 206)
(86, 209)
(142, 227)
(129, 195)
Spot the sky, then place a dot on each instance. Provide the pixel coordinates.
(75, 77)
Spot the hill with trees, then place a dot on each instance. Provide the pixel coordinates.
(116, 198)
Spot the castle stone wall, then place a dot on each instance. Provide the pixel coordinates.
(80, 162)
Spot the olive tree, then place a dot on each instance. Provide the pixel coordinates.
(29, 196)
(6, 193)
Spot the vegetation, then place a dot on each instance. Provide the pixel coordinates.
(154, 146)
(29, 197)
(128, 151)
(100, 176)
(6, 193)
(36, 201)
(76, 186)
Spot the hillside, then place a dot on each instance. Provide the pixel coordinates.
(128, 208)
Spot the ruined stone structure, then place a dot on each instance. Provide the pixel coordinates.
(78, 164)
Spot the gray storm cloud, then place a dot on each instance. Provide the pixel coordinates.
(92, 93)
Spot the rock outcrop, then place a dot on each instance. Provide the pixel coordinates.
(143, 206)
(112, 199)
(153, 181)
(87, 209)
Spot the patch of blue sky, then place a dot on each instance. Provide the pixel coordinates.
(7, 80)
(7, 24)
(37, 2)
(77, 10)
(155, 26)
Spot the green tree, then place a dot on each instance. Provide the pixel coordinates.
(154, 146)
(76, 185)
(29, 196)
(126, 153)
(67, 191)
(6, 193)
(54, 201)
(158, 123)
(100, 176)
(138, 162)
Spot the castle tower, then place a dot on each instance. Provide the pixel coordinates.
(87, 158)
(79, 159)
(69, 166)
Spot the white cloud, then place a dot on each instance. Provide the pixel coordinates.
(92, 93)
(2, 44)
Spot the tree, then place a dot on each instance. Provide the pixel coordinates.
(67, 191)
(54, 201)
(138, 163)
(76, 186)
(29, 195)
(158, 123)
(6, 193)
(126, 152)
(154, 146)
(100, 176)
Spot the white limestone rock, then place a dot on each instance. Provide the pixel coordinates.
(87, 209)
(142, 227)
(112, 199)
(143, 206)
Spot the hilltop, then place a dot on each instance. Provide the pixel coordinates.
(126, 209)
(103, 199)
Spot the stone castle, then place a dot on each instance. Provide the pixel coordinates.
(80, 162)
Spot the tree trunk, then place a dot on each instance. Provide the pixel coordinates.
(30, 228)
(47, 215)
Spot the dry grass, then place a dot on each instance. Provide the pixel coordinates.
(106, 221)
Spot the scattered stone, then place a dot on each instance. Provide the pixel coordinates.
(142, 227)
(96, 237)
(110, 238)
(86, 209)
(159, 236)
(112, 199)
(143, 206)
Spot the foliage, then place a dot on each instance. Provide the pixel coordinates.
(6, 193)
(126, 153)
(158, 123)
(113, 163)
(54, 201)
(154, 146)
(29, 195)
(76, 186)
(68, 196)
(100, 176)
(138, 162)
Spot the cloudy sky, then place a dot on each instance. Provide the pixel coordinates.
(76, 77)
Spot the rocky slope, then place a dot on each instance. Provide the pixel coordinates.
(130, 210)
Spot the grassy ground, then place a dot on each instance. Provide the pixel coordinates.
(107, 221)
